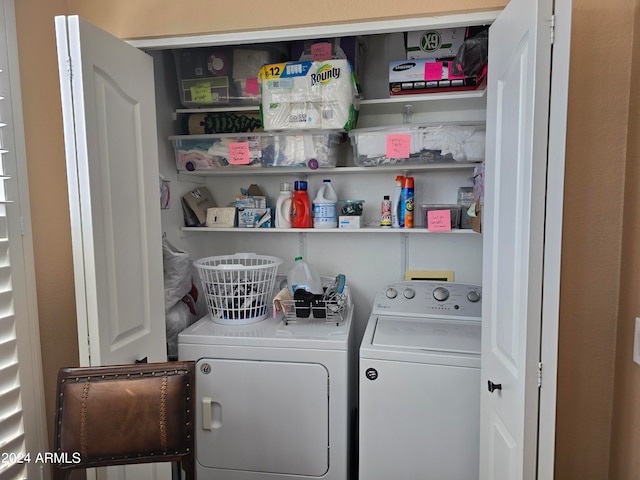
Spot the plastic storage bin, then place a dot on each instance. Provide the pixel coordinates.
(206, 152)
(418, 144)
(209, 76)
(454, 213)
(238, 288)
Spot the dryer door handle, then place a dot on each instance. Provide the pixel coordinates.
(211, 414)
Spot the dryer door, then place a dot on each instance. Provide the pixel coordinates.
(260, 416)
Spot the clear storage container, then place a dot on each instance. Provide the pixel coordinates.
(454, 214)
(205, 152)
(209, 76)
(418, 144)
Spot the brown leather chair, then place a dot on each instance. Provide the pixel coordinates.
(125, 414)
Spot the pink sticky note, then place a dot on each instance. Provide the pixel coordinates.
(239, 153)
(439, 220)
(320, 52)
(433, 71)
(398, 145)
(251, 86)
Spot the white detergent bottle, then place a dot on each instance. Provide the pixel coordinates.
(283, 206)
(304, 276)
(325, 207)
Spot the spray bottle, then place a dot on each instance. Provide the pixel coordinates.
(395, 203)
(407, 201)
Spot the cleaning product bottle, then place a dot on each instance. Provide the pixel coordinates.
(283, 206)
(395, 203)
(385, 212)
(304, 276)
(325, 211)
(407, 200)
(300, 206)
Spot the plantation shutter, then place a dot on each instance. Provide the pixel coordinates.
(19, 353)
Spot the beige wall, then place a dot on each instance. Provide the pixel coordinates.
(596, 152)
(625, 461)
(48, 188)
(134, 19)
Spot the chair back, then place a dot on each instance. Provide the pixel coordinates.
(125, 414)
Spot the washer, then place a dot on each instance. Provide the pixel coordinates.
(273, 398)
(419, 379)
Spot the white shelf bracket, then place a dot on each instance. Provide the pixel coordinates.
(404, 249)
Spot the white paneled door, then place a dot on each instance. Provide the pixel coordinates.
(513, 237)
(111, 145)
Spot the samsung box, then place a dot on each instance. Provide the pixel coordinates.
(428, 75)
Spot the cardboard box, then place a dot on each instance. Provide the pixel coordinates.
(251, 201)
(435, 43)
(476, 222)
(349, 221)
(221, 217)
(427, 76)
(254, 218)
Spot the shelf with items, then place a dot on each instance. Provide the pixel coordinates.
(302, 171)
(332, 231)
(384, 105)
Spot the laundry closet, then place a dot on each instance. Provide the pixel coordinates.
(118, 225)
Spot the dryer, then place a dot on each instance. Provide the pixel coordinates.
(419, 378)
(272, 398)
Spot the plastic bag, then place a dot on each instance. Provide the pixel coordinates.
(178, 274)
(473, 55)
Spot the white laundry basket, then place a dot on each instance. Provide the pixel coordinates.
(238, 288)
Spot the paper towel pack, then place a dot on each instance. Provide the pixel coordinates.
(309, 96)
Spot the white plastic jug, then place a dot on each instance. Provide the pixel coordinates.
(283, 206)
(304, 276)
(325, 207)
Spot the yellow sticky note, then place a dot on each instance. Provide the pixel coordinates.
(201, 93)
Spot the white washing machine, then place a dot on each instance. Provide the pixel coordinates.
(419, 412)
(272, 398)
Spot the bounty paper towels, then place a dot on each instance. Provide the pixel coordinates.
(308, 96)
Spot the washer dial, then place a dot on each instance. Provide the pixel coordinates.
(440, 294)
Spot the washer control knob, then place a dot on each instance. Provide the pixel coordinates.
(473, 296)
(391, 292)
(409, 293)
(440, 294)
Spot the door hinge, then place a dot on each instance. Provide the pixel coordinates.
(552, 25)
(539, 374)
